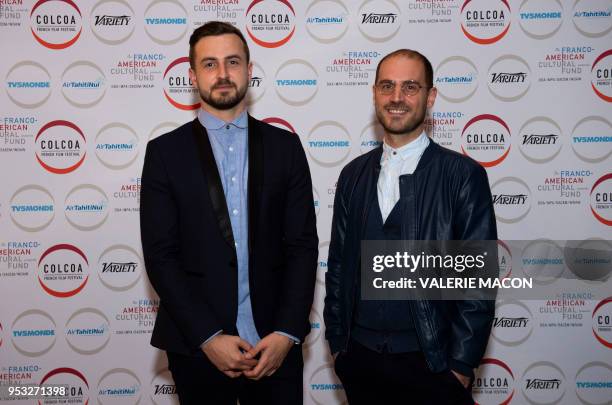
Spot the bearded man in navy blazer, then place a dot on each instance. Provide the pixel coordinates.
(229, 239)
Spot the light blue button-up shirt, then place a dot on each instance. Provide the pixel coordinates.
(229, 142)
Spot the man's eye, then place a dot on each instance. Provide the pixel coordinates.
(387, 86)
(411, 87)
(209, 65)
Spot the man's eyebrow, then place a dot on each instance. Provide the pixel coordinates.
(209, 58)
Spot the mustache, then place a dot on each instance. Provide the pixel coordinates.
(398, 106)
(223, 82)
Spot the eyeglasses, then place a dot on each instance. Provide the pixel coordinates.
(409, 87)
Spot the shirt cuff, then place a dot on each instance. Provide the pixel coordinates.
(208, 340)
(295, 340)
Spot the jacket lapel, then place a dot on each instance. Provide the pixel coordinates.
(213, 180)
(256, 156)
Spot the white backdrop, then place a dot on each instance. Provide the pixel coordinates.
(525, 88)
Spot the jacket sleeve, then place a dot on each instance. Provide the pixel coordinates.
(159, 227)
(332, 310)
(301, 248)
(474, 219)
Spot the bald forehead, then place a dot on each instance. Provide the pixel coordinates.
(399, 67)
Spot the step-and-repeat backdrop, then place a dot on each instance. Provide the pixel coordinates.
(525, 88)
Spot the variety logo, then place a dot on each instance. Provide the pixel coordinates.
(270, 23)
(280, 123)
(513, 323)
(257, 85)
(63, 270)
(178, 87)
(322, 266)
(509, 78)
(592, 139)
(486, 139)
(60, 147)
(601, 76)
(163, 389)
(28, 84)
(592, 18)
(119, 386)
(494, 383)
(33, 333)
(456, 79)
(329, 143)
(112, 21)
(83, 84)
(77, 387)
(86, 207)
(316, 323)
(601, 199)
(379, 20)
(137, 71)
(594, 383)
(484, 21)
(32, 208)
(88, 331)
(352, 68)
(56, 24)
(327, 20)
(540, 140)
(602, 322)
(544, 383)
(166, 21)
(541, 19)
(116, 146)
(512, 199)
(296, 82)
(371, 137)
(119, 268)
(324, 387)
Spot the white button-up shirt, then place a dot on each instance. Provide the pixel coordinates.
(393, 164)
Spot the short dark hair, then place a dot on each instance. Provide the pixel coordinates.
(411, 54)
(214, 28)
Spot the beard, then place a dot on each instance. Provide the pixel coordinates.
(400, 125)
(226, 101)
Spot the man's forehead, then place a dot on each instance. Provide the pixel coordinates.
(220, 46)
(402, 67)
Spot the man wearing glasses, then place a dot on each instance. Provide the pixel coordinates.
(408, 189)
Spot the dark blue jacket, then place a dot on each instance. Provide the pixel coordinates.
(449, 199)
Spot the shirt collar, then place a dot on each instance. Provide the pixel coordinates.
(211, 122)
(415, 147)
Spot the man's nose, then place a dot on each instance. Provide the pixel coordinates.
(222, 71)
(397, 94)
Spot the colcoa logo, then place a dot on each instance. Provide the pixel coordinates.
(485, 21)
(270, 23)
(56, 24)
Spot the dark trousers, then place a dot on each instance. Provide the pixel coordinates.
(198, 382)
(370, 378)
